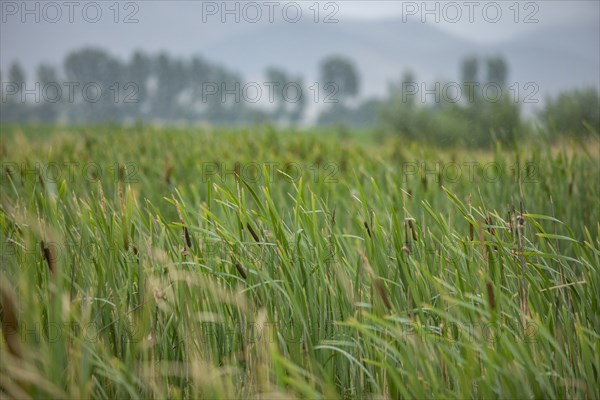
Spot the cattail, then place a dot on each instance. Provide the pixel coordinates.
(519, 225)
(344, 163)
(121, 172)
(520, 222)
(49, 256)
(125, 241)
(188, 239)
(102, 199)
(240, 269)
(9, 172)
(411, 226)
(367, 228)
(481, 240)
(121, 197)
(168, 169)
(186, 233)
(491, 298)
(471, 226)
(490, 228)
(41, 178)
(571, 183)
(382, 292)
(252, 232)
(8, 318)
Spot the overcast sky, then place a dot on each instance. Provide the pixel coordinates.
(178, 26)
(546, 12)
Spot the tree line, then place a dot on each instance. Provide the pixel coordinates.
(93, 87)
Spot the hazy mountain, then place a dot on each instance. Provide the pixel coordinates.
(555, 57)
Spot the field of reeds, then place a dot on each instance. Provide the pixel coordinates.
(168, 263)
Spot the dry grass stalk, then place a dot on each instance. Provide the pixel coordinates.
(102, 198)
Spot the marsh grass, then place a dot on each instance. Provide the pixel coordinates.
(375, 284)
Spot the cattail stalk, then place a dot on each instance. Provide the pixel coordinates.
(524, 298)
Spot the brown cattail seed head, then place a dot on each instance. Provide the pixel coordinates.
(8, 318)
(367, 228)
(491, 298)
(240, 269)
(383, 293)
(49, 253)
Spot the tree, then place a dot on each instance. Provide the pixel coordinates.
(13, 109)
(469, 73)
(139, 70)
(278, 78)
(342, 73)
(46, 74)
(470, 69)
(497, 71)
(16, 75)
(99, 77)
(47, 110)
(298, 112)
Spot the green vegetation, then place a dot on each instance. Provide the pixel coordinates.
(575, 112)
(263, 264)
(478, 109)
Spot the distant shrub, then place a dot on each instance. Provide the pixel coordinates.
(574, 112)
